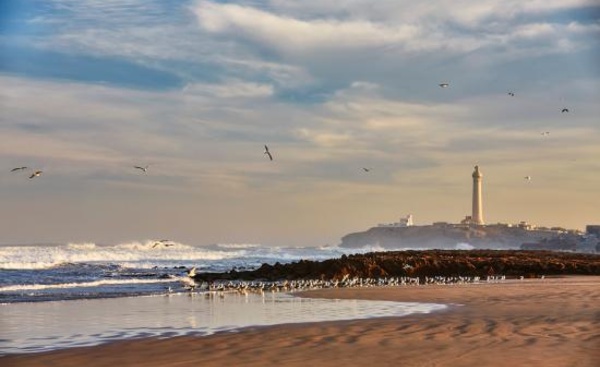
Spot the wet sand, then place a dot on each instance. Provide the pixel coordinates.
(551, 322)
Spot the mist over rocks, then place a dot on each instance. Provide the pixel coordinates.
(512, 263)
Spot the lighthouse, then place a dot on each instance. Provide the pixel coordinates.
(477, 216)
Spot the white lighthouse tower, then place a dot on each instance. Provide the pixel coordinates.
(477, 217)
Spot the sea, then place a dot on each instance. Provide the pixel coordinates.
(34, 273)
(55, 296)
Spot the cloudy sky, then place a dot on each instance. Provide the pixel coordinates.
(195, 88)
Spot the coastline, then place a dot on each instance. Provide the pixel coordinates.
(551, 322)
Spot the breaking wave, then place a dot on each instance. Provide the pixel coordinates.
(97, 283)
(151, 254)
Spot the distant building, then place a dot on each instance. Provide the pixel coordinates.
(404, 222)
(477, 217)
(525, 225)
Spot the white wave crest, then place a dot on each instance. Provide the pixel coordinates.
(145, 254)
(151, 245)
(238, 245)
(157, 253)
(464, 246)
(82, 246)
(35, 287)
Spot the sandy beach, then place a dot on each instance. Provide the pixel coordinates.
(551, 322)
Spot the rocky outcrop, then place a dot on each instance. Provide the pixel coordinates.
(446, 236)
(424, 263)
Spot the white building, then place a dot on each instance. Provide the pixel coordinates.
(404, 222)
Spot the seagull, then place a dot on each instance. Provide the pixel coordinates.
(35, 174)
(192, 272)
(444, 85)
(145, 168)
(528, 178)
(564, 110)
(366, 169)
(18, 169)
(162, 242)
(268, 153)
(511, 94)
(546, 133)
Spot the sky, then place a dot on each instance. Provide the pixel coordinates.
(196, 88)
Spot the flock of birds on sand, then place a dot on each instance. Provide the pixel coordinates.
(210, 288)
(144, 169)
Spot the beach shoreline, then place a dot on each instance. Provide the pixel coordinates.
(550, 322)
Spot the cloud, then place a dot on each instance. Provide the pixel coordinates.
(231, 89)
(297, 36)
(443, 26)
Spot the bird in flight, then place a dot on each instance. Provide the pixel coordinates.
(268, 153)
(564, 110)
(366, 169)
(18, 169)
(166, 243)
(35, 174)
(545, 133)
(444, 85)
(511, 94)
(528, 178)
(145, 168)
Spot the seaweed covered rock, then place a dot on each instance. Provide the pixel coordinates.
(424, 263)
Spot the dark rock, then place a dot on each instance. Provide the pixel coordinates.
(511, 263)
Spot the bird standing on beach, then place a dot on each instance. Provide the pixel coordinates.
(145, 168)
(18, 169)
(545, 133)
(528, 178)
(268, 153)
(35, 174)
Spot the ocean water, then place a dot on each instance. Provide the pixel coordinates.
(33, 273)
(43, 326)
(62, 296)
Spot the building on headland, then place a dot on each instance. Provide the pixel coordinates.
(472, 230)
(524, 225)
(476, 217)
(404, 222)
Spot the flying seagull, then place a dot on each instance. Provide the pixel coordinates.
(166, 243)
(18, 169)
(511, 94)
(444, 85)
(268, 153)
(366, 169)
(546, 133)
(35, 174)
(564, 110)
(145, 168)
